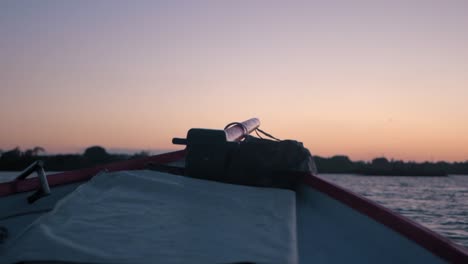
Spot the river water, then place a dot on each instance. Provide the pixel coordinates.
(439, 203)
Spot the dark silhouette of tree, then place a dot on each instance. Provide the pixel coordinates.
(13, 154)
(33, 152)
(37, 150)
(96, 154)
(15, 159)
(12, 160)
(28, 153)
(335, 164)
(380, 162)
(141, 154)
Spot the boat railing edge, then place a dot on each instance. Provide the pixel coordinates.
(432, 241)
(67, 177)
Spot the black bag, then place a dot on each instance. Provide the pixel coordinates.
(267, 163)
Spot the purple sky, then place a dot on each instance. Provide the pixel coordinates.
(366, 78)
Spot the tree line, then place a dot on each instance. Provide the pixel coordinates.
(383, 166)
(17, 160)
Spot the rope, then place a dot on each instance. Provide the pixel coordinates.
(246, 131)
(266, 134)
(258, 135)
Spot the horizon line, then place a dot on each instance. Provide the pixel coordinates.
(157, 151)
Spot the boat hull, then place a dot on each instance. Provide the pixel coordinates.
(334, 225)
(329, 231)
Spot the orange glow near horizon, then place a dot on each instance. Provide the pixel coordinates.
(363, 82)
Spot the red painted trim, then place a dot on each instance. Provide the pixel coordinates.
(423, 236)
(67, 177)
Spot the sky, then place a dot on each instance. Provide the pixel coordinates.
(358, 78)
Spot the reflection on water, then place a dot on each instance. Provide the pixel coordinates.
(439, 203)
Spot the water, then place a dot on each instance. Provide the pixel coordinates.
(439, 203)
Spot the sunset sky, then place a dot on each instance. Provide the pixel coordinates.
(359, 78)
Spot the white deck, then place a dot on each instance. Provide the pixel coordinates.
(143, 217)
(148, 217)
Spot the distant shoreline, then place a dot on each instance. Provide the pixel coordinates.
(17, 160)
(403, 174)
(384, 167)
